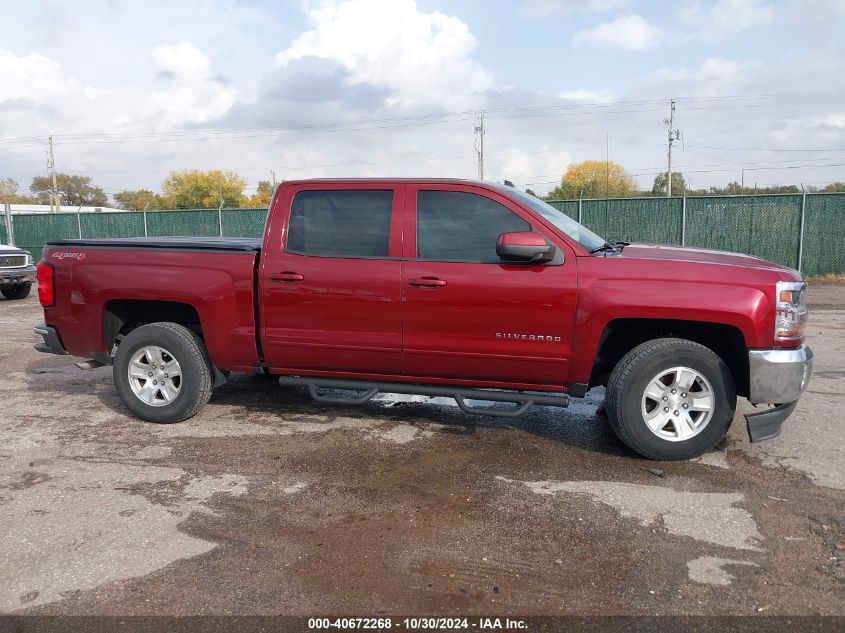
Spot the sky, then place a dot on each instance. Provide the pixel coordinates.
(131, 90)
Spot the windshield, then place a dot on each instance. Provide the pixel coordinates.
(584, 236)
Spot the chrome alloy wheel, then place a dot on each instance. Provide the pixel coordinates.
(155, 376)
(678, 403)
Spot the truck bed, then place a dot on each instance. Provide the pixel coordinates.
(115, 279)
(245, 244)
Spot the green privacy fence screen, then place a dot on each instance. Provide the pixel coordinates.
(803, 232)
(780, 228)
(31, 231)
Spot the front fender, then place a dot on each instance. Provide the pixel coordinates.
(603, 301)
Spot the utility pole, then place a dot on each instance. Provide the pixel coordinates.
(479, 147)
(55, 186)
(10, 227)
(274, 179)
(674, 135)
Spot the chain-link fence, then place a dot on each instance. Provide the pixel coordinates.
(31, 231)
(805, 232)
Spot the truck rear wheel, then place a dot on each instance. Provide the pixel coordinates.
(21, 291)
(671, 398)
(162, 372)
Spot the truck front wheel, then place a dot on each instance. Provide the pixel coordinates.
(162, 372)
(671, 398)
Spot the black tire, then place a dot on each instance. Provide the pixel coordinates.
(21, 291)
(184, 346)
(632, 375)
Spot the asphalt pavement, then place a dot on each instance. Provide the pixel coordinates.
(270, 503)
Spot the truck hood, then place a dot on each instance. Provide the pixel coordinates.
(699, 255)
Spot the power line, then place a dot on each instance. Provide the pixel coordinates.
(422, 119)
(769, 149)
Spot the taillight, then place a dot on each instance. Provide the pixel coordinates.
(46, 285)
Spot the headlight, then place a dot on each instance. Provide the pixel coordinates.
(790, 311)
(29, 260)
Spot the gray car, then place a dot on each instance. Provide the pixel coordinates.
(17, 272)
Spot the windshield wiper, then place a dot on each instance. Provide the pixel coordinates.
(608, 247)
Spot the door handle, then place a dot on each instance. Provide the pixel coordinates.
(427, 282)
(287, 277)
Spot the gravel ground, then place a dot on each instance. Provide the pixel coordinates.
(268, 503)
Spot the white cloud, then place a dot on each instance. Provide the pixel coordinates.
(521, 167)
(423, 57)
(586, 96)
(815, 129)
(32, 77)
(715, 76)
(189, 93)
(182, 59)
(544, 8)
(712, 18)
(628, 31)
(192, 94)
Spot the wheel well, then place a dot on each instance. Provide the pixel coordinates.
(622, 335)
(121, 316)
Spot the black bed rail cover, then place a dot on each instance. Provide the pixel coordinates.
(245, 244)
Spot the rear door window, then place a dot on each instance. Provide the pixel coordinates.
(340, 223)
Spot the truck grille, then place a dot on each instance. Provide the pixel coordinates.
(12, 261)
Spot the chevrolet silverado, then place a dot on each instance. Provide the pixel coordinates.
(442, 287)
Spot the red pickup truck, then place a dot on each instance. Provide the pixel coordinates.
(456, 288)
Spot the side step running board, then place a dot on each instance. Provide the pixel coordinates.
(522, 399)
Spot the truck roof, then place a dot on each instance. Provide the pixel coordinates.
(441, 181)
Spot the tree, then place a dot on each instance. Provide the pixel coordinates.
(835, 187)
(263, 195)
(594, 179)
(139, 200)
(780, 189)
(9, 193)
(530, 192)
(74, 191)
(736, 189)
(202, 189)
(678, 184)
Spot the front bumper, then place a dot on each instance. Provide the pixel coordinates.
(776, 377)
(779, 375)
(16, 276)
(52, 343)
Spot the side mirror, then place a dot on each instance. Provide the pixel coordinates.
(525, 247)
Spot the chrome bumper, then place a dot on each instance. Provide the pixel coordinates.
(778, 376)
(52, 343)
(14, 276)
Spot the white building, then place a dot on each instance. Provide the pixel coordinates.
(45, 208)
